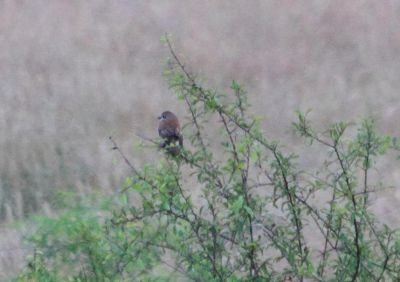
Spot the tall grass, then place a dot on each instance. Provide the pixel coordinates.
(73, 71)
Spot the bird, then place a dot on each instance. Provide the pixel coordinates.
(169, 130)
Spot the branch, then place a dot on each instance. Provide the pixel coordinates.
(123, 155)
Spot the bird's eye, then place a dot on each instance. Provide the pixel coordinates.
(163, 116)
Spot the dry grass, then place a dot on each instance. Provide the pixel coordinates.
(73, 71)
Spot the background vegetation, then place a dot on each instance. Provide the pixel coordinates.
(255, 215)
(71, 72)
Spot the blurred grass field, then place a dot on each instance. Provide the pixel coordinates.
(71, 72)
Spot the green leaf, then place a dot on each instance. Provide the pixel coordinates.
(128, 181)
(123, 199)
(254, 156)
(238, 204)
(249, 211)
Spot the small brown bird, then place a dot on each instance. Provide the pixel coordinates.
(170, 130)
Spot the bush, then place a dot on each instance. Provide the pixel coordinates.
(79, 246)
(252, 214)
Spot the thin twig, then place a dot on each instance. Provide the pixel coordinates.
(147, 139)
(123, 155)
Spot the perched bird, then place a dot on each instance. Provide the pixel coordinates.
(170, 130)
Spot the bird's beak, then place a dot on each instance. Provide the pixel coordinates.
(159, 117)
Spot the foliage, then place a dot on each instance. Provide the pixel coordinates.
(252, 215)
(78, 246)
